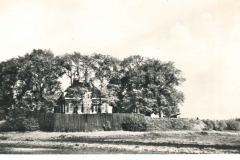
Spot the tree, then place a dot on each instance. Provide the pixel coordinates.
(67, 66)
(42, 72)
(105, 67)
(30, 81)
(149, 85)
(161, 79)
(130, 80)
(77, 66)
(8, 78)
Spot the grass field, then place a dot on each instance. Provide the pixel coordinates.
(120, 142)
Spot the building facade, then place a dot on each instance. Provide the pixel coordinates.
(86, 103)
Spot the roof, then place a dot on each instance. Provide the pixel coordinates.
(90, 88)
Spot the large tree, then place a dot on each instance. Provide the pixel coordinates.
(162, 79)
(149, 85)
(42, 70)
(131, 83)
(34, 80)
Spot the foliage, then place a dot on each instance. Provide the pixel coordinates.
(76, 66)
(17, 121)
(134, 124)
(105, 68)
(181, 124)
(2, 115)
(220, 125)
(8, 72)
(233, 125)
(107, 126)
(30, 82)
(149, 85)
(96, 70)
(215, 125)
(209, 124)
(166, 124)
(135, 84)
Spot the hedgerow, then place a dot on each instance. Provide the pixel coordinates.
(165, 124)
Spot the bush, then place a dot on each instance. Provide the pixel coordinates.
(181, 124)
(215, 125)
(176, 124)
(107, 126)
(20, 124)
(167, 124)
(222, 125)
(209, 124)
(134, 124)
(16, 121)
(233, 125)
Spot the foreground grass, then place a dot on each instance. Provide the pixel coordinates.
(170, 142)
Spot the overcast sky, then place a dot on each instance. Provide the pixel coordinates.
(202, 37)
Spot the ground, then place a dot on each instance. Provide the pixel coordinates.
(120, 142)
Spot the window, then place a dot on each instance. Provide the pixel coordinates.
(70, 108)
(79, 108)
(66, 109)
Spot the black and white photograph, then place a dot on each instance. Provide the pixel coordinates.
(129, 77)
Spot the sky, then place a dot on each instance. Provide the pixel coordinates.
(202, 38)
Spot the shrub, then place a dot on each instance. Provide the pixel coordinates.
(215, 125)
(20, 124)
(31, 124)
(222, 125)
(166, 124)
(209, 124)
(107, 126)
(176, 124)
(16, 121)
(181, 124)
(134, 124)
(233, 125)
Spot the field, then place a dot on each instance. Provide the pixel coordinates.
(120, 142)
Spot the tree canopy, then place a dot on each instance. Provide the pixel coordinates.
(149, 85)
(30, 82)
(134, 84)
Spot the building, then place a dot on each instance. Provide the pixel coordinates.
(71, 102)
